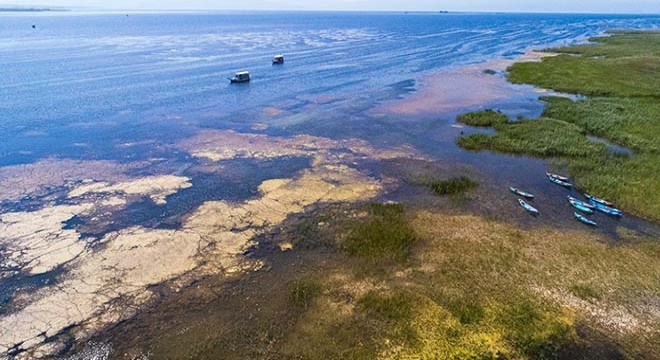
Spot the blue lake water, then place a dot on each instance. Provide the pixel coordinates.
(81, 83)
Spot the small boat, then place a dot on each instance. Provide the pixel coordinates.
(585, 204)
(584, 220)
(600, 201)
(606, 209)
(580, 205)
(240, 77)
(278, 59)
(559, 177)
(528, 207)
(521, 193)
(560, 182)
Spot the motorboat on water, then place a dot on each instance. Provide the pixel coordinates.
(278, 59)
(240, 77)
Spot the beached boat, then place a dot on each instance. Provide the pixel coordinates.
(600, 201)
(559, 177)
(240, 77)
(580, 205)
(521, 193)
(278, 59)
(560, 182)
(584, 220)
(528, 207)
(606, 209)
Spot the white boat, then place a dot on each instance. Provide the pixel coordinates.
(240, 77)
(532, 210)
(278, 59)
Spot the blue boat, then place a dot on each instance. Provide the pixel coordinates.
(558, 177)
(582, 206)
(583, 203)
(600, 201)
(559, 182)
(532, 210)
(606, 209)
(584, 220)
(521, 193)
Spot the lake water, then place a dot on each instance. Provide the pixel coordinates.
(79, 84)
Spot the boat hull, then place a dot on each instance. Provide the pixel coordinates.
(584, 220)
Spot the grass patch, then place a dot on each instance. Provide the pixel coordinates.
(485, 118)
(585, 292)
(384, 235)
(454, 186)
(302, 292)
(540, 137)
(622, 76)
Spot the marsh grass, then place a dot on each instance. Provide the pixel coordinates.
(303, 291)
(454, 186)
(585, 292)
(385, 234)
(484, 118)
(622, 76)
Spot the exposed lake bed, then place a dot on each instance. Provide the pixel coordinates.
(236, 238)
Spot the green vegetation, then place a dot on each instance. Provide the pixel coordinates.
(303, 291)
(453, 186)
(384, 235)
(585, 292)
(479, 289)
(621, 74)
(483, 118)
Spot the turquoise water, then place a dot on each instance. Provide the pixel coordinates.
(79, 84)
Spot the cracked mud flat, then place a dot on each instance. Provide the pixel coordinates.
(109, 281)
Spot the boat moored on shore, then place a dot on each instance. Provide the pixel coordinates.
(581, 205)
(583, 219)
(532, 210)
(559, 181)
(521, 193)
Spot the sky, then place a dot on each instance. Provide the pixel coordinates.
(589, 6)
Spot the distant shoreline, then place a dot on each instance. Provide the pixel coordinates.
(30, 10)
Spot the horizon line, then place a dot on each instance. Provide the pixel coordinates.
(82, 9)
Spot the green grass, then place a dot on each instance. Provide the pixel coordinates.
(485, 118)
(302, 292)
(453, 186)
(585, 292)
(385, 234)
(621, 75)
(540, 137)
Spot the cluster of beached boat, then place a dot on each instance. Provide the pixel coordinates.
(588, 207)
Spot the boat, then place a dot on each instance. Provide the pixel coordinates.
(240, 77)
(278, 59)
(583, 203)
(600, 201)
(521, 193)
(560, 182)
(528, 207)
(584, 220)
(582, 206)
(559, 177)
(606, 209)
